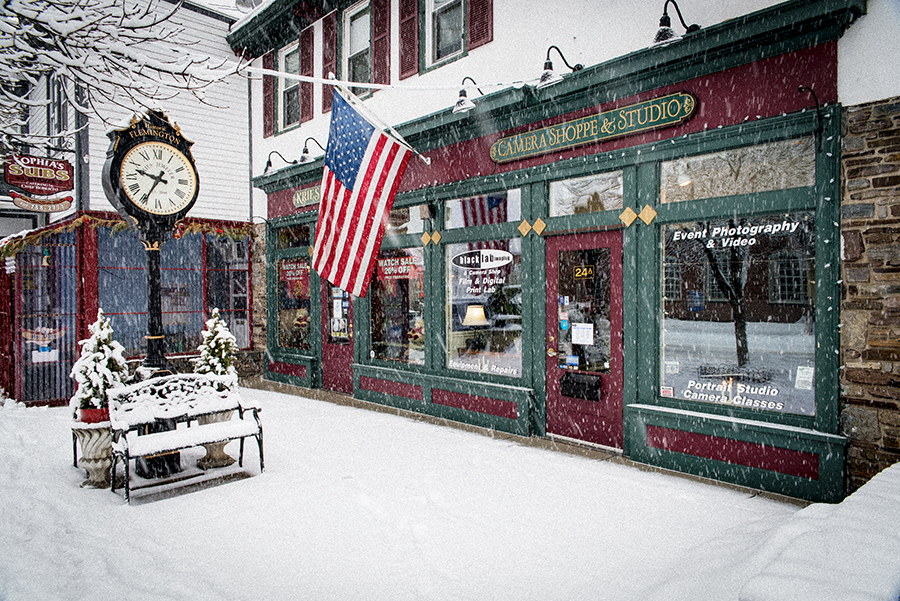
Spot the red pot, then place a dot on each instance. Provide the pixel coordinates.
(93, 416)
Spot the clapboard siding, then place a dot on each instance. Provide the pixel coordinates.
(218, 127)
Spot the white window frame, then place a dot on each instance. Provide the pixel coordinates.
(430, 24)
(349, 15)
(286, 85)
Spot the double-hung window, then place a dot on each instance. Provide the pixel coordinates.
(289, 96)
(440, 31)
(445, 29)
(357, 45)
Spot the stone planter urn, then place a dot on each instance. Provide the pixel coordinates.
(215, 452)
(95, 441)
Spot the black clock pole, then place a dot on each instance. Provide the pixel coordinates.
(156, 342)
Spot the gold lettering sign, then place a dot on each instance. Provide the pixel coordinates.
(307, 196)
(664, 111)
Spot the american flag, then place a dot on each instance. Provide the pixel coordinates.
(363, 168)
(485, 210)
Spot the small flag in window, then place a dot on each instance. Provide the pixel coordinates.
(363, 168)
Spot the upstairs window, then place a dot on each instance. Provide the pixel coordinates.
(289, 62)
(451, 28)
(358, 45)
(445, 28)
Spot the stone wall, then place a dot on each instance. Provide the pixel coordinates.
(258, 284)
(870, 303)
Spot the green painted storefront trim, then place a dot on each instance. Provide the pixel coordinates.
(640, 166)
(522, 397)
(829, 487)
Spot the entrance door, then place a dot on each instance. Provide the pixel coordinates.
(337, 339)
(584, 337)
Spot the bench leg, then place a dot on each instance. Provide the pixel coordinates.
(241, 456)
(127, 479)
(259, 441)
(112, 473)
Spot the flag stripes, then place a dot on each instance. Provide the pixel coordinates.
(353, 218)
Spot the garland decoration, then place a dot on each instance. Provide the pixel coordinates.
(14, 243)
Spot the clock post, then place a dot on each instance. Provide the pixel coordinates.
(150, 177)
(156, 339)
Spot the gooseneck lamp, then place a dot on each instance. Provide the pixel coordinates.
(666, 33)
(464, 105)
(549, 77)
(269, 161)
(304, 156)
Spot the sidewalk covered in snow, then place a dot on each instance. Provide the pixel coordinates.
(358, 504)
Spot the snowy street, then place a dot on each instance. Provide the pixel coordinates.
(356, 504)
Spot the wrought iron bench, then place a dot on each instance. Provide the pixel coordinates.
(182, 400)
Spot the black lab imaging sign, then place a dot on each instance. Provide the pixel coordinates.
(482, 267)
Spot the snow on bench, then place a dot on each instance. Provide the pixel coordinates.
(181, 399)
(844, 552)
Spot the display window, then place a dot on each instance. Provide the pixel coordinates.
(764, 167)
(484, 307)
(738, 312)
(294, 329)
(483, 209)
(600, 192)
(398, 306)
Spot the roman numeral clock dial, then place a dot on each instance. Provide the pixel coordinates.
(158, 178)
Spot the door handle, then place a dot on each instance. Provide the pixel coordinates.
(551, 352)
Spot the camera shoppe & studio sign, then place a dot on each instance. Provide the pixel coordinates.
(41, 177)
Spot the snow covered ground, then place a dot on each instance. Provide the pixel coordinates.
(356, 504)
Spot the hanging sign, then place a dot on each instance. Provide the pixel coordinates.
(41, 177)
(664, 111)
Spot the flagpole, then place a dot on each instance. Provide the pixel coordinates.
(351, 98)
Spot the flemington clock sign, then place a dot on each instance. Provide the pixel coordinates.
(151, 179)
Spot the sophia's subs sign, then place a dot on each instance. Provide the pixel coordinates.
(41, 177)
(664, 111)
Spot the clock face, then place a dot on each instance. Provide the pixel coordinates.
(158, 178)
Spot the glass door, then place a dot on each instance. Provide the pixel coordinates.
(584, 337)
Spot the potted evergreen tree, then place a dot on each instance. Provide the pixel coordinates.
(217, 353)
(100, 367)
(217, 350)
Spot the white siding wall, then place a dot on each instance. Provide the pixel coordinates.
(218, 129)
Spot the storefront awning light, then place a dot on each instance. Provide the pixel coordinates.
(666, 33)
(269, 161)
(304, 156)
(550, 77)
(464, 105)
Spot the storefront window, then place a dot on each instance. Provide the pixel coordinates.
(484, 310)
(227, 284)
(406, 220)
(294, 304)
(398, 306)
(294, 236)
(601, 192)
(738, 324)
(775, 166)
(485, 209)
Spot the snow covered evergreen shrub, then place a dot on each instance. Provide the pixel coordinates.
(217, 349)
(100, 367)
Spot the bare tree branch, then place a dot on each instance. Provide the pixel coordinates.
(125, 54)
